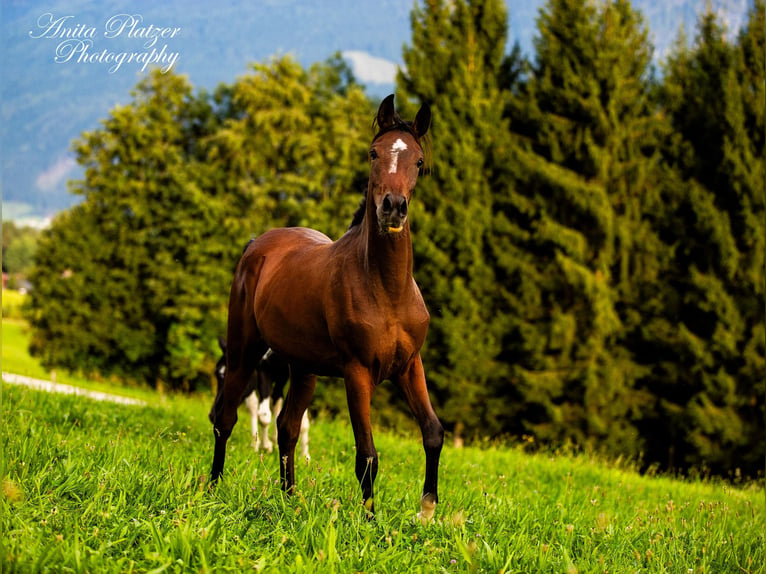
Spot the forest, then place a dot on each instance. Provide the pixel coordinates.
(588, 233)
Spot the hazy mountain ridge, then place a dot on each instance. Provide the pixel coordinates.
(45, 105)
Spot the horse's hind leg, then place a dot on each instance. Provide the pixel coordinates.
(289, 423)
(413, 384)
(244, 350)
(225, 408)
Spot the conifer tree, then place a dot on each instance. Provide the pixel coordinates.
(454, 64)
(711, 398)
(585, 171)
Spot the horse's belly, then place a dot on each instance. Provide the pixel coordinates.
(299, 337)
(288, 305)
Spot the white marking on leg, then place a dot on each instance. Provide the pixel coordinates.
(264, 411)
(264, 419)
(277, 409)
(397, 146)
(266, 443)
(305, 436)
(427, 508)
(251, 403)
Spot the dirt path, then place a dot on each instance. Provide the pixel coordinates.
(51, 387)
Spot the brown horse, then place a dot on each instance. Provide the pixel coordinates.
(348, 308)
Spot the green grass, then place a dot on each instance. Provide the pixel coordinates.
(106, 488)
(12, 302)
(100, 487)
(16, 359)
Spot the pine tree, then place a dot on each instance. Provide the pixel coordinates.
(584, 174)
(453, 64)
(712, 404)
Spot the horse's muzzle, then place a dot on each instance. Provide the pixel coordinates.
(392, 213)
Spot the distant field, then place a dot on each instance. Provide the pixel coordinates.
(99, 487)
(12, 301)
(16, 359)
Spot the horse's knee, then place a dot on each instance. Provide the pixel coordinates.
(433, 435)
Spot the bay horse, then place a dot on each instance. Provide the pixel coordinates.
(264, 397)
(349, 308)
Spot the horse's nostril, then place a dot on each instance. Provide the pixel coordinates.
(403, 208)
(387, 205)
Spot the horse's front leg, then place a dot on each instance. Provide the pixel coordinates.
(413, 383)
(359, 388)
(289, 424)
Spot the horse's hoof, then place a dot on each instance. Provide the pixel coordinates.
(369, 507)
(427, 508)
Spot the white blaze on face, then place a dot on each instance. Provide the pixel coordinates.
(397, 146)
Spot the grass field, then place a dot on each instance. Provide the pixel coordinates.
(100, 487)
(16, 359)
(12, 302)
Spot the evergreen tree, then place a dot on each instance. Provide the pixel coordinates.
(584, 169)
(454, 64)
(711, 395)
(130, 282)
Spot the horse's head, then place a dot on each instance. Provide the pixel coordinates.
(396, 156)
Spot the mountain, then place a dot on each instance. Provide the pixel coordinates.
(45, 104)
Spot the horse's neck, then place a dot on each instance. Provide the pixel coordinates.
(389, 259)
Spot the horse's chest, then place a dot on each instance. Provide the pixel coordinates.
(386, 340)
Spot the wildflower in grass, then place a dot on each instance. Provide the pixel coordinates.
(11, 491)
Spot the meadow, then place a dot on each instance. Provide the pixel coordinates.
(99, 487)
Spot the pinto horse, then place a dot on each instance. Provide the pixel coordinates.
(348, 308)
(264, 393)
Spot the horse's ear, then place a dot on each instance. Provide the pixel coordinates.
(422, 120)
(222, 343)
(386, 113)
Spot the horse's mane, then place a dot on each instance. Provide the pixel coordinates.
(359, 213)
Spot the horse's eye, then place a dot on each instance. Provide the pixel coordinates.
(373, 154)
(420, 162)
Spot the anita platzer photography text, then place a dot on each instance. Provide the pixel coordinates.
(83, 43)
